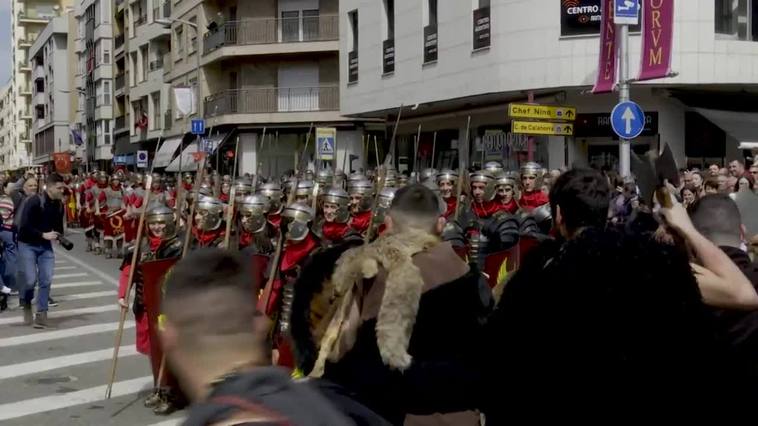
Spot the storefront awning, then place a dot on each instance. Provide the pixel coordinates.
(186, 161)
(742, 126)
(166, 152)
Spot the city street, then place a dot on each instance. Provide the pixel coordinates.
(58, 376)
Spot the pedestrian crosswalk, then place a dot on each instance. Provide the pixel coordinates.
(58, 376)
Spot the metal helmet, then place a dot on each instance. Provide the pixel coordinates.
(308, 175)
(252, 212)
(390, 178)
(139, 178)
(364, 188)
(494, 168)
(531, 169)
(289, 184)
(304, 188)
(299, 216)
(383, 204)
(212, 210)
(338, 196)
(205, 189)
(101, 176)
(506, 180)
(187, 177)
(355, 177)
(160, 213)
(447, 175)
(428, 174)
(157, 179)
(485, 177)
(325, 177)
(242, 188)
(273, 192)
(402, 181)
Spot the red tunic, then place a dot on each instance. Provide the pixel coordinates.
(450, 210)
(510, 207)
(206, 238)
(246, 238)
(292, 255)
(485, 209)
(533, 199)
(361, 221)
(334, 231)
(275, 219)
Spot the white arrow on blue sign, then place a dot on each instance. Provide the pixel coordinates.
(627, 120)
(626, 12)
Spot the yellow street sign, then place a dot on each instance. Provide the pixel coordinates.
(546, 112)
(542, 128)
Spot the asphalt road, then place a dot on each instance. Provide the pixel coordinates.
(58, 376)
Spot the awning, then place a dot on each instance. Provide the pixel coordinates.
(166, 152)
(742, 126)
(187, 160)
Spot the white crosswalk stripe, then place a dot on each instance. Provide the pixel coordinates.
(56, 402)
(91, 295)
(61, 334)
(47, 364)
(58, 286)
(65, 313)
(74, 275)
(64, 268)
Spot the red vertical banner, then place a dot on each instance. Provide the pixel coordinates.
(62, 162)
(657, 39)
(606, 69)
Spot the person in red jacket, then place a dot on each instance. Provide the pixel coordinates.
(446, 181)
(531, 194)
(506, 189)
(482, 192)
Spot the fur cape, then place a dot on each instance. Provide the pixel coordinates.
(397, 314)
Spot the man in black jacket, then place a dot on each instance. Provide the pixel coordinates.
(40, 223)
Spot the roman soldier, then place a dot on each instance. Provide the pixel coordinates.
(428, 175)
(97, 206)
(361, 193)
(69, 200)
(304, 192)
(506, 189)
(208, 229)
(134, 203)
(494, 168)
(242, 188)
(531, 194)
(446, 181)
(224, 192)
(482, 191)
(254, 232)
(299, 243)
(115, 209)
(332, 227)
(324, 179)
(273, 192)
(187, 182)
(157, 194)
(383, 204)
(160, 242)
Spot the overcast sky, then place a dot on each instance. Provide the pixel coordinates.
(5, 40)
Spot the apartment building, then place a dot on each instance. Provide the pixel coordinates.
(94, 79)
(269, 65)
(52, 71)
(28, 19)
(7, 125)
(455, 59)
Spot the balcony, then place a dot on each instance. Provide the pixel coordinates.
(272, 100)
(272, 31)
(24, 66)
(23, 42)
(120, 81)
(141, 20)
(156, 65)
(120, 125)
(119, 41)
(26, 90)
(32, 16)
(25, 114)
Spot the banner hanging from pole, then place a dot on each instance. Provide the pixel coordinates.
(657, 39)
(606, 69)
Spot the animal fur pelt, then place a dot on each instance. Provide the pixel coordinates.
(397, 314)
(312, 300)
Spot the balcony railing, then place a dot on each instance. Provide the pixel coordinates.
(119, 40)
(156, 64)
(274, 99)
(120, 81)
(35, 14)
(272, 30)
(168, 119)
(120, 123)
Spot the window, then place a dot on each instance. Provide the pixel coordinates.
(389, 19)
(430, 31)
(106, 92)
(352, 60)
(310, 25)
(145, 63)
(736, 19)
(105, 8)
(98, 52)
(193, 35)
(179, 38)
(388, 45)
(106, 56)
(156, 110)
(107, 132)
(290, 25)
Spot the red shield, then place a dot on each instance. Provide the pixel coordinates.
(113, 225)
(154, 273)
(499, 266)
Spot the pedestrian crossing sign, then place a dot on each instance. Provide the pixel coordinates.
(326, 140)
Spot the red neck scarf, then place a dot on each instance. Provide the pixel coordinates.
(224, 198)
(485, 209)
(533, 199)
(334, 231)
(361, 221)
(275, 220)
(205, 238)
(246, 239)
(155, 242)
(450, 210)
(296, 251)
(510, 207)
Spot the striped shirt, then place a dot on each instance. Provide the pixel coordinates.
(6, 212)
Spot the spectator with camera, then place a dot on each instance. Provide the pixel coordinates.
(40, 222)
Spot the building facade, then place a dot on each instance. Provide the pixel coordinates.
(52, 72)
(28, 19)
(266, 67)
(458, 59)
(7, 126)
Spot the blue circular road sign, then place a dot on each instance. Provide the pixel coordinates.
(627, 120)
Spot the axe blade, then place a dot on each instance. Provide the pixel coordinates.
(665, 167)
(646, 181)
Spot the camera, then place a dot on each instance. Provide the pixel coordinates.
(65, 243)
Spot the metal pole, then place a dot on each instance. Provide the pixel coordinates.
(625, 146)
